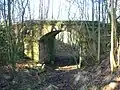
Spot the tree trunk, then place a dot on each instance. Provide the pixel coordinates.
(113, 31)
(98, 56)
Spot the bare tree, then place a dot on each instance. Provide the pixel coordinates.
(98, 56)
(44, 7)
(113, 34)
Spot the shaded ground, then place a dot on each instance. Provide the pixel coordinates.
(65, 78)
(33, 79)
